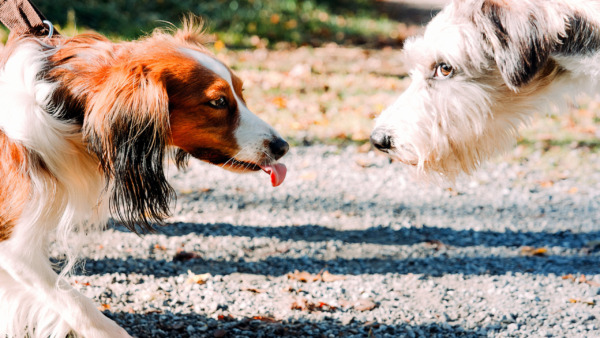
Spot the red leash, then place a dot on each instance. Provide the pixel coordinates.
(23, 18)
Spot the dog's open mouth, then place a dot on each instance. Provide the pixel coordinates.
(276, 171)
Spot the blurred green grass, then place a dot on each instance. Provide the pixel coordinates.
(239, 23)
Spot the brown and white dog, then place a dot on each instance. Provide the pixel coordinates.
(85, 126)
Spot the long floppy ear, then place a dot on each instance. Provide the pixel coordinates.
(520, 38)
(127, 127)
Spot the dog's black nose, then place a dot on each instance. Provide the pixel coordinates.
(381, 140)
(278, 147)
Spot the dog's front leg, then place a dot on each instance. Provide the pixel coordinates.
(33, 297)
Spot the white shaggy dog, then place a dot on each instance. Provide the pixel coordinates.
(480, 70)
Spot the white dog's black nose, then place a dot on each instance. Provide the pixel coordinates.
(381, 140)
(278, 147)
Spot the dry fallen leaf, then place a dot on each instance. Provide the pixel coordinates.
(590, 302)
(303, 276)
(223, 317)
(359, 305)
(328, 277)
(531, 251)
(83, 283)
(581, 280)
(364, 163)
(197, 279)
(253, 290)
(265, 319)
(153, 311)
(569, 276)
(183, 256)
(303, 304)
(364, 305)
(104, 307)
(279, 102)
(307, 277)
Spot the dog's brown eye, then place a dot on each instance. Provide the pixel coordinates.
(443, 70)
(219, 103)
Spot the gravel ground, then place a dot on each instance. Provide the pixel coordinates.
(510, 251)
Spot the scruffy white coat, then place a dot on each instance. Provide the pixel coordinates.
(480, 70)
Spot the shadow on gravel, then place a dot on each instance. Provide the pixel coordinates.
(386, 235)
(281, 266)
(194, 325)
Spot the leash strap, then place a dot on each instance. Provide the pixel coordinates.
(23, 18)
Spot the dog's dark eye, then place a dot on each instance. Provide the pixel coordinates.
(443, 71)
(219, 103)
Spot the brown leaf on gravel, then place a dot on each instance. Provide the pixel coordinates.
(304, 304)
(531, 251)
(104, 307)
(153, 311)
(364, 305)
(265, 319)
(184, 256)
(82, 283)
(253, 290)
(323, 276)
(328, 277)
(359, 305)
(225, 318)
(299, 304)
(279, 102)
(587, 302)
(581, 280)
(303, 276)
(546, 184)
(364, 163)
(197, 279)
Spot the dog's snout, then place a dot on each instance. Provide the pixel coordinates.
(278, 147)
(381, 140)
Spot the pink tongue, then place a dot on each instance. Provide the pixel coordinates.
(277, 172)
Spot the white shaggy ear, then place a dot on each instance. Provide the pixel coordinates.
(522, 36)
(518, 38)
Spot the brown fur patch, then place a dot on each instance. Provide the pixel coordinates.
(14, 184)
